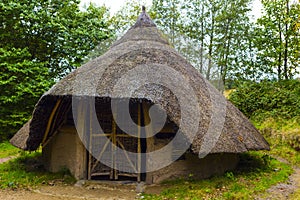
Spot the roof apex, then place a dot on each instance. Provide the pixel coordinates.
(143, 20)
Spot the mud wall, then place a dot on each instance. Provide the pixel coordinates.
(66, 150)
(193, 167)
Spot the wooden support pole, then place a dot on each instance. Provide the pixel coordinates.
(64, 113)
(50, 121)
(139, 161)
(90, 139)
(149, 140)
(114, 143)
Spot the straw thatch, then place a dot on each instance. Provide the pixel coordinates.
(142, 45)
(20, 138)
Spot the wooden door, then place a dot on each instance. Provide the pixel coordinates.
(112, 147)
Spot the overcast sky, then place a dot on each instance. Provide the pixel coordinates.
(116, 5)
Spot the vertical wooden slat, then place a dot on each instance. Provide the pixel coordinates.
(114, 143)
(81, 125)
(139, 162)
(149, 140)
(90, 140)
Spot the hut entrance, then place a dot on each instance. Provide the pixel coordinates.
(114, 159)
(118, 155)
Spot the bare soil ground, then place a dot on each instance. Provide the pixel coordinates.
(2, 160)
(284, 190)
(90, 191)
(59, 192)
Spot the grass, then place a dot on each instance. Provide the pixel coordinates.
(6, 150)
(255, 174)
(283, 137)
(296, 195)
(26, 171)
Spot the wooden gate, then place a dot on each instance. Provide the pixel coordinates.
(112, 160)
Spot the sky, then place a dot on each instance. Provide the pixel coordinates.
(116, 5)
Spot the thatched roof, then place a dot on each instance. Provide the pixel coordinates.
(142, 45)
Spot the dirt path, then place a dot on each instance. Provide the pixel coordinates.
(283, 191)
(89, 192)
(2, 160)
(69, 193)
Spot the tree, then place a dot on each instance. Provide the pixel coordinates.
(22, 81)
(278, 40)
(55, 32)
(41, 41)
(167, 15)
(194, 28)
(221, 29)
(127, 16)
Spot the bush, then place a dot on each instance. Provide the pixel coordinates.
(266, 99)
(274, 107)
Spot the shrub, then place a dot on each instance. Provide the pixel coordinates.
(266, 99)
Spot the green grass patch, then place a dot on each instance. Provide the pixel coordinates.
(27, 171)
(6, 150)
(283, 137)
(256, 173)
(296, 195)
(279, 124)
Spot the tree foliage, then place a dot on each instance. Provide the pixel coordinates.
(168, 17)
(56, 32)
(41, 41)
(22, 81)
(222, 29)
(278, 39)
(126, 16)
(268, 99)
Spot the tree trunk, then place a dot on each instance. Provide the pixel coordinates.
(286, 75)
(210, 48)
(202, 39)
(279, 70)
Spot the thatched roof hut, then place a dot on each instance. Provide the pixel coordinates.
(144, 47)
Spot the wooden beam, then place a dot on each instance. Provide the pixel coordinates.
(101, 153)
(90, 139)
(64, 113)
(125, 152)
(109, 135)
(113, 146)
(139, 161)
(50, 120)
(150, 140)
